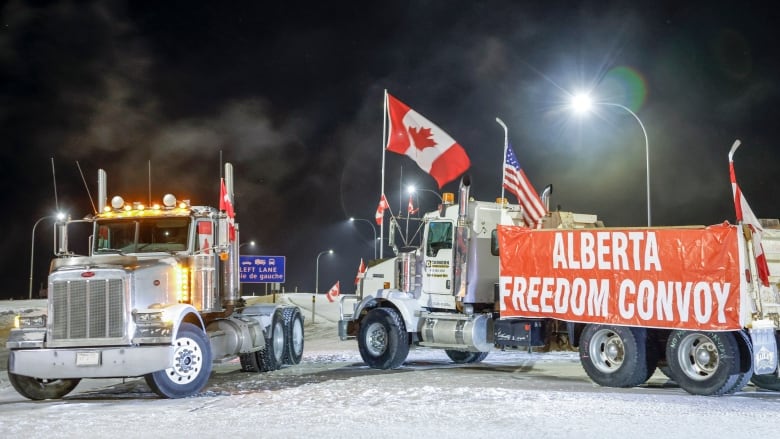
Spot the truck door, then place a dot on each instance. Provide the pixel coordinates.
(437, 258)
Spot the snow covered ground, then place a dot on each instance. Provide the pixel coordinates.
(331, 394)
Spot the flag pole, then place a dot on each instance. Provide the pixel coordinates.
(382, 192)
(503, 159)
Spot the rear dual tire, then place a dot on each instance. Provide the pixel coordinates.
(616, 356)
(707, 363)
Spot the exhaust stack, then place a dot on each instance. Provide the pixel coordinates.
(102, 191)
(461, 245)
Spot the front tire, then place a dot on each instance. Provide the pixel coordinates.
(382, 340)
(465, 357)
(615, 356)
(703, 362)
(39, 389)
(191, 365)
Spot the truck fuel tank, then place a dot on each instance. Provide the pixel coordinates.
(457, 331)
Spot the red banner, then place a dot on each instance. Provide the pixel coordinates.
(686, 278)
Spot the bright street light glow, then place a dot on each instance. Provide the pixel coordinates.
(581, 103)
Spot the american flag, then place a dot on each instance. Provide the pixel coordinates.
(517, 183)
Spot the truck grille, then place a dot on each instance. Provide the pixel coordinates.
(87, 309)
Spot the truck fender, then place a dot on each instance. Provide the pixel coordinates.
(404, 303)
(182, 312)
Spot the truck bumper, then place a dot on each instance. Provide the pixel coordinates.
(116, 362)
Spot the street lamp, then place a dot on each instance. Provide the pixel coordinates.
(373, 229)
(582, 103)
(413, 189)
(317, 281)
(59, 217)
(250, 243)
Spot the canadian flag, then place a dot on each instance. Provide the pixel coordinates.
(410, 208)
(380, 209)
(745, 215)
(333, 292)
(434, 151)
(361, 273)
(226, 204)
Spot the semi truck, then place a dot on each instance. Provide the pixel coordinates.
(631, 300)
(156, 296)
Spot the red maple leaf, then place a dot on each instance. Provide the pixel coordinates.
(422, 138)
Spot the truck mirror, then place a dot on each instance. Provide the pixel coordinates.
(494, 242)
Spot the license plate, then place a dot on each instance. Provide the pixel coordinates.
(87, 358)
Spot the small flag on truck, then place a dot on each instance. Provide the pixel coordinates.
(516, 182)
(361, 272)
(746, 216)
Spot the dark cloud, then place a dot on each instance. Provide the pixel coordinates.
(291, 93)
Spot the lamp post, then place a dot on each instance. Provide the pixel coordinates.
(250, 243)
(582, 103)
(373, 229)
(60, 216)
(413, 189)
(317, 281)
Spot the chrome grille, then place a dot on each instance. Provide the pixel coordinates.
(87, 309)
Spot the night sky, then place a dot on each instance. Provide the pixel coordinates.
(292, 93)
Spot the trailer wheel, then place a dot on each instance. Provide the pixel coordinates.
(703, 362)
(191, 365)
(39, 389)
(270, 358)
(465, 357)
(614, 356)
(382, 340)
(293, 324)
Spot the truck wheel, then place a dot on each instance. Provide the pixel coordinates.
(614, 356)
(293, 324)
(745, 362)
(768, 381)
(191, 365)
(382, 340)
(39, 389)
(270, 358)
(703, 362)
(465, 357)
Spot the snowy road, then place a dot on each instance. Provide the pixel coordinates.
(332, 394)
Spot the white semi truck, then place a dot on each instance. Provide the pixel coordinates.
(684, 299)
(157, 296)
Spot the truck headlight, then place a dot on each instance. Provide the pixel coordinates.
(152, 317)
(33, 321)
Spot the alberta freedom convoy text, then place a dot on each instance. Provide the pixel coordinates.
(645, 277)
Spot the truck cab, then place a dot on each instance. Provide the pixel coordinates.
(157, 296)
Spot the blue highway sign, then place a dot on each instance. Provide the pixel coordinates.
(261, 269)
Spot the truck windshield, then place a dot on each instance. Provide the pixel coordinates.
(142, 235)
